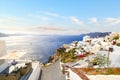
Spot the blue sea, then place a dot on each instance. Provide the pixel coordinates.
(39, 47)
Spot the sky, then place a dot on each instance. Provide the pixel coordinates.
(59, 16)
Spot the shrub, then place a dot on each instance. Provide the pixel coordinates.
(116, 37)
(74, 56)
(118, 44)
(109, 71)
(100, 60)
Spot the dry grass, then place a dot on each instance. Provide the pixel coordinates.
(103, 71)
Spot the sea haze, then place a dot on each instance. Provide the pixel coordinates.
(38, 47)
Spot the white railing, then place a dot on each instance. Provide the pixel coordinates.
(36, 71)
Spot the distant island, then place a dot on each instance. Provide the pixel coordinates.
(3, 35)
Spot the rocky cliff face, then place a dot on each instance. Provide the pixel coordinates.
(56, 56)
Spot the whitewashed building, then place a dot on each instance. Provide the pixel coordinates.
(86, 38)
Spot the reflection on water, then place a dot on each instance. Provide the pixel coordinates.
(40, 47)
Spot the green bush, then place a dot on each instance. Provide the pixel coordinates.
(100, 60)
(68, 56)
(118, 44)
(116, 37)
(74, 56)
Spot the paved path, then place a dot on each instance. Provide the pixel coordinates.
(52, 72)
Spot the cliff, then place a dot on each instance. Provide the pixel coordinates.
(60, 52)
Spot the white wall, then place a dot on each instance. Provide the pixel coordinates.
(2, 48)
(36, 71)
(74, 76)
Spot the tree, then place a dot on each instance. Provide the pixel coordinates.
(100, 60)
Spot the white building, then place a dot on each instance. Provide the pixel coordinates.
(86, 38)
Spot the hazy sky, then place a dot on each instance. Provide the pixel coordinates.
(59, 16)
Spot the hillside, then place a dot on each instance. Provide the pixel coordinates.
(60, 50)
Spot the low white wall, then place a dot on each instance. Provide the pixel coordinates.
(73, 76)
(36, 71)
(104, 77)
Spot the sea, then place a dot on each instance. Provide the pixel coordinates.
(38, 47)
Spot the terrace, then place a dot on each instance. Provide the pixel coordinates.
(21, 70)
(15, 71)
